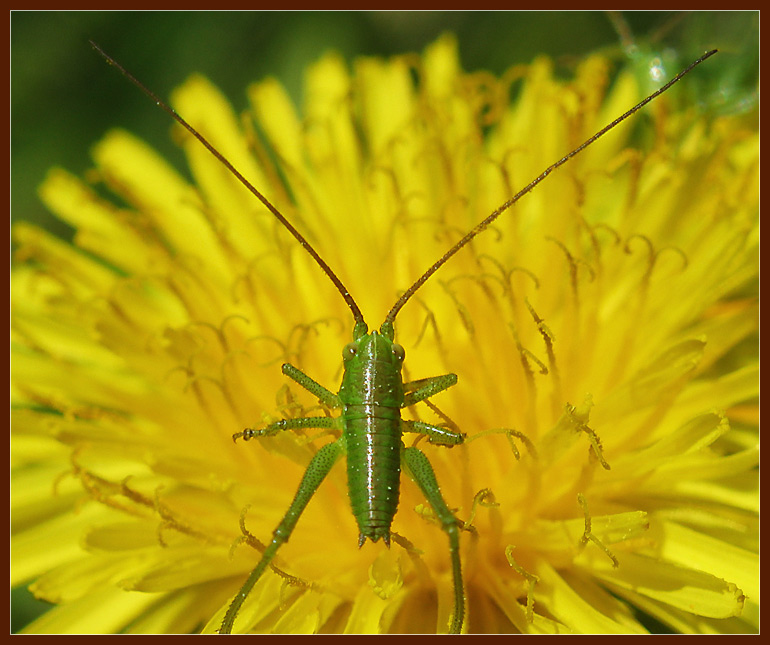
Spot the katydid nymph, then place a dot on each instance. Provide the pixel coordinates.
(370, 399)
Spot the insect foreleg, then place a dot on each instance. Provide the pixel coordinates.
(435, 434)
(422, 472)
(326, 397)
(318, 468)
(425, 388)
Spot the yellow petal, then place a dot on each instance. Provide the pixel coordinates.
(693, 591)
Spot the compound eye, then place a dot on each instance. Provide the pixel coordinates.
(349, 351)
(398, 352)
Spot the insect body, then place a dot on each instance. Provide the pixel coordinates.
(370, 400)
(371, 397)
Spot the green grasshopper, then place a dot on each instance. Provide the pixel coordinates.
(370, 399)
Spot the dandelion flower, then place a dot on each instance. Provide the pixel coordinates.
(608, 321)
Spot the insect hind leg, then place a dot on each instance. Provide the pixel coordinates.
(316, 471)
(422, 472)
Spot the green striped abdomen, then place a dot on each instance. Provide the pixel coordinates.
(373, 437)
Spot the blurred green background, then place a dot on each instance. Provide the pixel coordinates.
(64, 97)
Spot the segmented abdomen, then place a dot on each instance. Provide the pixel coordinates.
(373, 434)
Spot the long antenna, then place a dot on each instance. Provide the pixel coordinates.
(357, 315)
(483, 224)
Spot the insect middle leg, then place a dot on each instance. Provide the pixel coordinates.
(422, 472)
(325, 396)
(420, 390)
(288, 424)
(435, 434)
